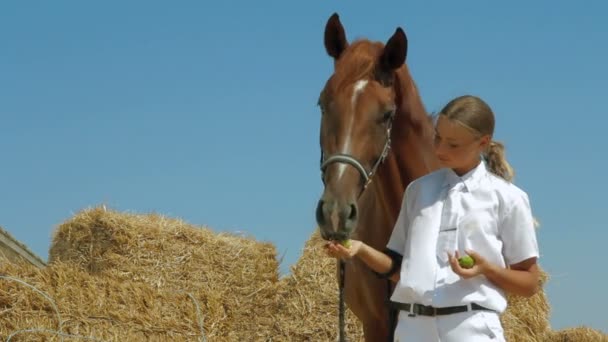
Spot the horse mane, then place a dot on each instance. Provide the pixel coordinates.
(411, 106)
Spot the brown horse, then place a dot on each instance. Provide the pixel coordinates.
(373, 127)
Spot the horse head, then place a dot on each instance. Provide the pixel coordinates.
(358, 105)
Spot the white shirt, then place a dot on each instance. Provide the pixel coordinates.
(443, 212)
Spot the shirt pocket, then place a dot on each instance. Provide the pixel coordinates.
(476, 221)
(446, 242)
(478, 231)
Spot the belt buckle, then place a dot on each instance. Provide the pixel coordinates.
(413, 312)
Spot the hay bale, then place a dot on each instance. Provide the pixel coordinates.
(159, 250)
(578, 334)
(307, 307)
(527, 319)
(234, 277)
(97, 307)
(117, 276)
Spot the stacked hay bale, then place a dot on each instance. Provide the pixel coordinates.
(147, 274)
(79, 304)
(308, 300)
(123, 277)
(527, 319)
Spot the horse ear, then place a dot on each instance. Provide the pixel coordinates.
(394, 52)
(335, 38)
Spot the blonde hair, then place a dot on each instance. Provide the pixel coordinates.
(473, 113)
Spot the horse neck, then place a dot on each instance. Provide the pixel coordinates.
(412, 133)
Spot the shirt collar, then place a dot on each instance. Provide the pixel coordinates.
(470, 180)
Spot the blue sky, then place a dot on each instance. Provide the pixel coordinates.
(207, 111)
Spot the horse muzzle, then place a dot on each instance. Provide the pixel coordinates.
(336, 219)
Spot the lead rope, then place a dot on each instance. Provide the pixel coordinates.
(392, 313)
(341, 323)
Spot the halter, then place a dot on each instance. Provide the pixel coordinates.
(351, 160)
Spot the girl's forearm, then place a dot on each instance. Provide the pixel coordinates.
(377, 261)
(519, 282)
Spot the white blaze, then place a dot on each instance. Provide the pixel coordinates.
(357, 90)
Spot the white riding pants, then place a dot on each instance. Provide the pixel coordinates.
(470, 326)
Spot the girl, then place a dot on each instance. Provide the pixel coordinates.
(468, 207)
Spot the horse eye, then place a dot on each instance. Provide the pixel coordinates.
(388, 115)
(321, 108)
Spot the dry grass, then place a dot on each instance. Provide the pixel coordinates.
(232, 276)
(527, 319)
(308, 299)
(578, 334)
(118, 276)
(101, 307)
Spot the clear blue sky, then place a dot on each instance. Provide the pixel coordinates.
(207, 111)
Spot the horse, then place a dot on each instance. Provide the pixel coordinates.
(376, 137)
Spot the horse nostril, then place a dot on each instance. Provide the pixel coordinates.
(319, 213)
(353, 212)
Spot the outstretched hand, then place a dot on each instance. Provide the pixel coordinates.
(481, 266)
(336, 250)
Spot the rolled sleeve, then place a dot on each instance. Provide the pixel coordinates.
(518, 233)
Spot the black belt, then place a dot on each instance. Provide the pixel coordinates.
(426, 310)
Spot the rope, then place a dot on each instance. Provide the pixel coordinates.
(342, 337)
(392, 314)
(199, 317)
(43, 294)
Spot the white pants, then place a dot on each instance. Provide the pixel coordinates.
(471, 326)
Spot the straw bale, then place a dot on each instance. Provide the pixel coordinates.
(127, 277)
(98, 307)
(527, 319)
(578, 334)
(234, 276)
(160, 251)
(308, 300)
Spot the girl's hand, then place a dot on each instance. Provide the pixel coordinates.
(481, 266)
(336, 250)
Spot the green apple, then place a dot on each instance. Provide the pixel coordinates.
(346, 243)
(466, 261)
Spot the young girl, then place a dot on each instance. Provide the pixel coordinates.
(471, 208)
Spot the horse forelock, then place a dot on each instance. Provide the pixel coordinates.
(358, 62)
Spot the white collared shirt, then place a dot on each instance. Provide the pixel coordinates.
(442, 212)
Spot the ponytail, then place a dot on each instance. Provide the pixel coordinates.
(497, 163)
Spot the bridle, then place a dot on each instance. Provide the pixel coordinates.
(354, 162)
